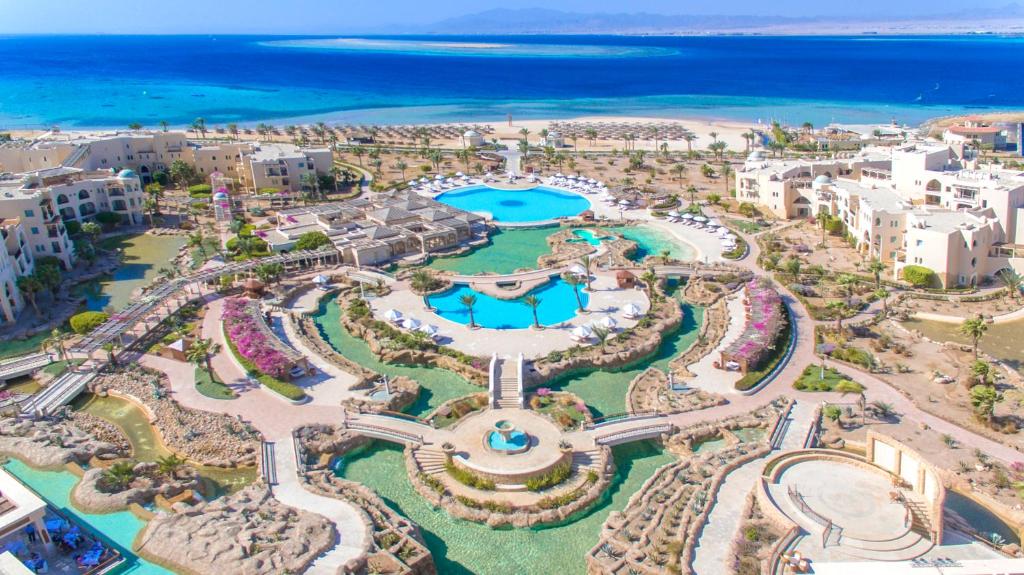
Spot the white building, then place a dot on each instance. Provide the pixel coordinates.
(472, 139)
(15, 261)
(283, 166)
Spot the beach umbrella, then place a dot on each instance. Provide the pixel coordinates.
(700, 219)
(321, 279)
(411, 323)
(412, 182)
(578, 270)
(428, 329)
(392, 315)
(559, 175)
(623, 202)
(581, 332)
(424, 180)
(608, 322)
(674, 214)
(459, 174)
(632, 310)
(687, 216)
(600, 184)
(592, 181)
(439, 177)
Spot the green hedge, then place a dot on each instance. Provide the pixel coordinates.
(556, 476)
(468, 478)
(288, 390)
(83, 323)
(200, 190)
(920, 276)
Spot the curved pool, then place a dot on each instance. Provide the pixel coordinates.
(516, 206)
(558, 304)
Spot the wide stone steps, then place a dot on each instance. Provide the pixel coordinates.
(431, 461)
(904, 548)
(589, 459)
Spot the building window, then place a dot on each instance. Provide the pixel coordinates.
(919, 243)
(35, 231)
(30, 213)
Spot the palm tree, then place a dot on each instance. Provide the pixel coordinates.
(358, 152)
(587, 263)
(199, 127)
(156, 192)
(664, 256)
(690, 138)
(974, 328)
(840, 308)
(601, 334)
(574, 281)
(882, 409)
(692, 190)
(233, 130)
(1013, 281)
(534, 302)
(56, 341)
(678, 170)
(135, 126)
(164, 125)
(883, 294)
(422, 282)
(30, 286)
(200, 352)
(110, 348)
(847, 281)
(468, 301)
(650, 279)
(876, 267)
(401, 166)
(714, 136)
(726, 172)
(196, 240)
(169, 465)
(119, 475)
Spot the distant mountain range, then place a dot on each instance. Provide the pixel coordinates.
(1009, 18)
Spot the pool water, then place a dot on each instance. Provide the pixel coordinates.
(510, 249)
(604, 391)
(749, 434)
(147, 445)
(653, 242)
(437, 385)
(516, 441)
(1002, 340)
(118, 528)
(16, 347)
(517, 206)
(710, 445)
(144, 255)
(464, 548)
(558, 304)
(590, 237)
(981, 519)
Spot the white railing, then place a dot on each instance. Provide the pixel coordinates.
(385, 433)
(521, 397)
(646, 432)
(493, 384)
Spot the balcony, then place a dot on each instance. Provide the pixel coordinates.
(901, 256)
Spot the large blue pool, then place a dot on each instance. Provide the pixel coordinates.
(517, 206)
(558, 304)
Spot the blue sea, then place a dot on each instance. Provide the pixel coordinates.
(111, 81)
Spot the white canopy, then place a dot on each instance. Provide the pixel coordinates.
(559, 175)
(459, 174)
(687, 216)
(411, 323)
(581, 332)
(428, 329)
(608, 322)
(321, 279)
(578, 269)
(439, 177)
(632, 310)
(392, 315)
(674, 214)
(424, 180)
(701, 219)
(623, 202)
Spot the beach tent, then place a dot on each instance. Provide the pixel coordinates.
(393, 315)
(608, 322)
(673, 214)
(581, 332)
(700, 219)
(687, 216)
(632, 311)
(428, 329)
(411, 323)
(578, 270)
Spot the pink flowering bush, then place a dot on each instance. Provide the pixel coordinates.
(250, 341)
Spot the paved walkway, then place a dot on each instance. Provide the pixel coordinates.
(711, 555)
(710, 378)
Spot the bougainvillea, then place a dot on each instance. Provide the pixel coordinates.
(250, 340)
(765, 320)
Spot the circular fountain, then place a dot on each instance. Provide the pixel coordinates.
(506, 439)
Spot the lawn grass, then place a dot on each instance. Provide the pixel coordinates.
(812, 380)
(56, 368)
(745, 226)
(210, 387)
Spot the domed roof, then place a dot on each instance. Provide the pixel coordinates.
(220, 196)
(471, 134)
(823, 179)
(127, 174)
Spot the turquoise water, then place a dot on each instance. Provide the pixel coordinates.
(517, 206)
(652, 242)
(464, 548)
(558, 304)
(710, 445)
(489, 49)
(119, 528)
(437, 385)
(604, 391)
(516, 440)
(590, 237)
(510, 249)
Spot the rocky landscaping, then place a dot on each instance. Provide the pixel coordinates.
(247, 532)
(114, 488)
(51, 444)
(201, 436)
(752, 545)
(650, 392)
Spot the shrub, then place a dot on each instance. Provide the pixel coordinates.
(72, 227)
(920, 276)
(557, 475)
(312, 241)
(87, 321)
(108, 218)
(200, 191)
(468, 477)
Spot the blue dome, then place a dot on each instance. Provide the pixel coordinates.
(127, 175)
(220, 196)
(823, 179)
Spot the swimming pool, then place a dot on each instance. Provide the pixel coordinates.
(558, 304)
(590, 237)
(517, 206)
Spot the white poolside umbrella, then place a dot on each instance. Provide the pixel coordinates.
(581, 332)
(591, 181)
(413, 182)
(393, 315)
(700, 219)
(424, 180)
(411, 323)
(674, 214)
(321, 280)
(687, 216)
(428, 329)
(600, 184)
(578, 270)
(623, 202)
(632, 310)
(439, 177)
(559, 175)
(459, 174)
(608, 322)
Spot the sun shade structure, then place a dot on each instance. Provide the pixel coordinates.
(765, 317)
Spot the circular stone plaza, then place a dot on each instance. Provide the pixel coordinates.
(619, 400)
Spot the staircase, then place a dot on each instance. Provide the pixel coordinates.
(60, 392)
(589, 460)
(430, 461)
(506, 386)
(75, 158)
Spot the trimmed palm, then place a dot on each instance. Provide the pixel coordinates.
(534, 302)
(574, 281)
(200, 352)
(169, 465)
(119, 475)
(974, 328)
(876, 267)
(468, 301)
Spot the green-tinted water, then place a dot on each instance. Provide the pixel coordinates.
(1002, 340)
(509, 250)
(146, 444)
(652, 242)
(16, 347)
(437, 385)
(462, 547)
(144, 255)
(605, 391)
(118, 528)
